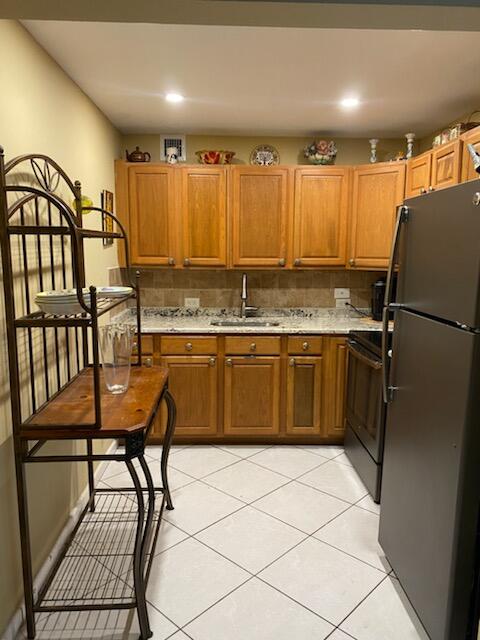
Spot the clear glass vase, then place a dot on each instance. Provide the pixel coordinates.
(116, 342)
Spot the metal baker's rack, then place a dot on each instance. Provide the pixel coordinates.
(58, 394)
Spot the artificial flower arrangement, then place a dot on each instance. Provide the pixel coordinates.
(321, 152)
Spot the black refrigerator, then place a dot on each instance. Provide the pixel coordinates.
(429, 520)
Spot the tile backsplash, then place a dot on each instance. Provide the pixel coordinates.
(220, 288)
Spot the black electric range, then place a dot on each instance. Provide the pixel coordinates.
(365, 409)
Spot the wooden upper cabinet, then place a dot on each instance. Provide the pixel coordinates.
(419, 172)
(471, 137)
(320, 216)
(377, 192)
(260, 211)
(446, 161)
(204, 216)
(152, 216)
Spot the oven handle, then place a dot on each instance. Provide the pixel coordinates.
(358, 352)
(389, 305)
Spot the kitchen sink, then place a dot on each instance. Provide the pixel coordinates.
(243, 323)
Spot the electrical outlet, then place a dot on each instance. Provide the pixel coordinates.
(341, 293)
(342, 303)
(192, 303)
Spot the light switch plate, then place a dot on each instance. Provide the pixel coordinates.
(192, 303)
(341, 293)
(342, 303)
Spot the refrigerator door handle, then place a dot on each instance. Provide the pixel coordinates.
(389, 305)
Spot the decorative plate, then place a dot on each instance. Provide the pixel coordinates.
(264, 155)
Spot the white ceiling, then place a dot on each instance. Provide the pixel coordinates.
(269, 81)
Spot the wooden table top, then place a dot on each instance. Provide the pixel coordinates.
(122, 414)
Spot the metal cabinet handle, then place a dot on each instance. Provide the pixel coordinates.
(171, 262)
(253, 346)
(305, 346)
(297, 262)
(188, 346)
(148, 362)
(282, 262)
(351, 262)
(229, 362)
(292, 362)
(423, 190)
(430, 188)
(212, 362)
(186, 262)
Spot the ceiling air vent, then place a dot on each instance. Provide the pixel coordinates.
(173, 141)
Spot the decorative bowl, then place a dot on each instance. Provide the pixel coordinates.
(213, 156)
(321, 152)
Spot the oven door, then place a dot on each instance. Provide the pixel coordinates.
(365, 407)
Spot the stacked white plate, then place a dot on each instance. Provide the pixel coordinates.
(63, 302)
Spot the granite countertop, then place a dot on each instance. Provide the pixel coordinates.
(291, 321)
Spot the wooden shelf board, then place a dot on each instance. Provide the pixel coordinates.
(63, 416)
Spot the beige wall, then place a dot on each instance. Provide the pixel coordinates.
(350, 150)
(42, 110)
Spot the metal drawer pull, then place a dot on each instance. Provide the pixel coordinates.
(297, 262)
(186, 262)
(253, 346)
(351, 262)
(189, 346)
(212, 362)
(148, 362)
(229, 362)
(171, 262)
(292, 362)
(282, 262)
(305, 346)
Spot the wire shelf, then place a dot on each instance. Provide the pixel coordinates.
(95, 569)
(41, 319)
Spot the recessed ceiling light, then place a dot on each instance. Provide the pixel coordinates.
(174, 97)
(349, 103)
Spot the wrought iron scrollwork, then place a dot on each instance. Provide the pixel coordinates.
(46, 178)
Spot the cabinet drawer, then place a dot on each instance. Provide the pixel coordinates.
(304, 345)
(268, 345)
(176, 345)
(147, 345)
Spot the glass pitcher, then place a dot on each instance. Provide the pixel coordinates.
(116, 342)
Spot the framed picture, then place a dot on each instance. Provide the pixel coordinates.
(107, 222)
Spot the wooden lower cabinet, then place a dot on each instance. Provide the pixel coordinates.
(334, 388)
(193, 383)
(304, 395)
(285, 389)
(252, 395)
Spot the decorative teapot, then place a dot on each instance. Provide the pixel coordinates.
(137, 155)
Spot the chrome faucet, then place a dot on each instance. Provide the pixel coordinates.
(245, 310)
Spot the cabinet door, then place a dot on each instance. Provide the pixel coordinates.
(334, 387)
(377, 192)
(320, 217)
(446, 165)
(152, 217)
(304, 395)
(472, 137)
(204, 209)
(252, 395)
(418, 175)
(260, 211)
(193, 383)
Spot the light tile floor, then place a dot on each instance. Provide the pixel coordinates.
(265, 543)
